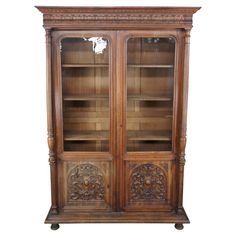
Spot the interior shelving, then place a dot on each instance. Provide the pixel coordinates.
(86, 101)
(150, 70)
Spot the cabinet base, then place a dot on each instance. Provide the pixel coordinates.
(118, 217)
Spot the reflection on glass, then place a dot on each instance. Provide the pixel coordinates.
(85, 88)
(150, 77)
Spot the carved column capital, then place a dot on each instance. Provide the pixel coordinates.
(48, 36)
(187, 36)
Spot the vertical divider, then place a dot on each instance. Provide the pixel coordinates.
(120, 80)
(113, 119)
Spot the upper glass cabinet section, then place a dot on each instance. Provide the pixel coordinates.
(150, 89)
(85, 90)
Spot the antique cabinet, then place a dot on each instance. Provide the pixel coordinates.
(117, 84)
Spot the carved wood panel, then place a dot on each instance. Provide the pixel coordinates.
(88, 185)
(148, 185)
(147, 182)
(86, 182)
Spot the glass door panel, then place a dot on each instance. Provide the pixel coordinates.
(150, 81)
(85, 89)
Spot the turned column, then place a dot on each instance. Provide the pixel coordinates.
(50, 126)
(183, 120)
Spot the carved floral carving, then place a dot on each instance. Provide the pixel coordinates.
(116, 19)
(85, 182)
(147, 182)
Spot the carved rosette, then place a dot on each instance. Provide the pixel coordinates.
(85, 182)
(147, 182)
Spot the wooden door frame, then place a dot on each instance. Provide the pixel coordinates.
(122, 155)
(57, 36)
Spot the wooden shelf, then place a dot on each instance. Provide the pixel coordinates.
(149, 135)
(149, 114)
(149, 66)
(85, 98)
(83, 65)
(148, 98)
(106, 65)
(104, 97)
(86, 135)
(103, 135)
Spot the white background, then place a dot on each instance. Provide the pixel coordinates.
(209, 193)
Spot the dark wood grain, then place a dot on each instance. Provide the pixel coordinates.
(117, 119)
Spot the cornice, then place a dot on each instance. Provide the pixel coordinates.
(117, 17)
(167, 10)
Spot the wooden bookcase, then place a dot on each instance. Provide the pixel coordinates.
(117, 84)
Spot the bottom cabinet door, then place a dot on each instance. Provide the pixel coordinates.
(148, 185)
(87, 185)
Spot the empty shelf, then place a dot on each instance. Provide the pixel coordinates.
(148, 98)
(85, 97)
(83, 65)
(86, 135)
(149, 135)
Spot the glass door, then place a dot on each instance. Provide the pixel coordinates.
(85, 93)
(85, 85)
(150, 82)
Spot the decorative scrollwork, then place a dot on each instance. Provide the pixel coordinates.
(147, 182)
(86, 182)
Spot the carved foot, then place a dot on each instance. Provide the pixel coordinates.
(55, 226)
(179, 226)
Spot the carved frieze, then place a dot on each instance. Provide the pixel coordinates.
(116, 17)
